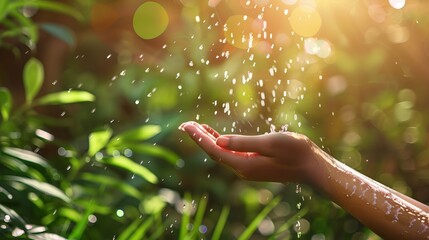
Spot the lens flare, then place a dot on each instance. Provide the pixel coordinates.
(150, 20)
(305, 21)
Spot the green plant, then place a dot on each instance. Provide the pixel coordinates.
(16, 23)
(33, 191)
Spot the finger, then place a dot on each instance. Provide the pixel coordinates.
(197, 126)
(210, 130)
(260, 143)
(206, 142)
(207, 130)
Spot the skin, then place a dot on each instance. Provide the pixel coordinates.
(292, 157)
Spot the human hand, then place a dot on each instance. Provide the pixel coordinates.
(277, 157)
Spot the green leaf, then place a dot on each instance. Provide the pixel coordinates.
(186, 217)
(113, 182)
(141, 231)
(285, 226)
(29, 33)
(198, 217)
(3, 6)
(98, 139)
(82, 223)
(258, 219)
(137, 229)
(128, 232)
(154, 204)
(66, 97)
(156, 151)
(221, 223)
(60, 32)
(70, 214)
(40, 186)
(33, 78)
(5, 103)
(128, 164)
(14, 217)
(26, 155)
(46, 5)
(138, 134)
(45, 236)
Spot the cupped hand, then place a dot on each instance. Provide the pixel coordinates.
(276, 157)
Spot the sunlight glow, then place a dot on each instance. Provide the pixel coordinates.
(305, 21)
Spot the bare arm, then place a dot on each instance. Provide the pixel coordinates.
(292, 157)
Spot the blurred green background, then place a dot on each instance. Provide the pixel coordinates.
(92, 93)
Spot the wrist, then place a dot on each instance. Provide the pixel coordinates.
(321, 170)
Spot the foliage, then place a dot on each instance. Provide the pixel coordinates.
(94, 153)
(17, 26)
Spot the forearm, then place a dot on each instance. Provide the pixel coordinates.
(388, 213)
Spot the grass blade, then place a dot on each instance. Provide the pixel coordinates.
(199, 217)
(128, 232)
(186, 216)
(285, 226)
(258, 219)
(221, 223)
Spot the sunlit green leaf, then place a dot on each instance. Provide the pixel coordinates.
(60, 32)
(66, 97)
(138, 134)
(223, 217)
(5, 103)
(5, 192)
(154, 150)
(70, 214)
(14, 217)
(33, 78)
(45, 236)
(98, 139)
(130, 165)
(26, 156)
(40, 186)
(153, 204)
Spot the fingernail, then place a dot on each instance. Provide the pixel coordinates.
(222, 141)
(182, 126)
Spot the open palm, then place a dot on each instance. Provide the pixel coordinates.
(277, 157)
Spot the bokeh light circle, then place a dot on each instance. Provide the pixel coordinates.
(305, 21)
(397, 4)
(150, 20)
(241, 31)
